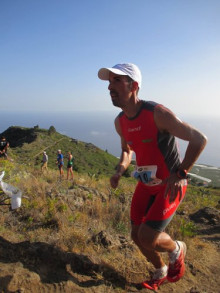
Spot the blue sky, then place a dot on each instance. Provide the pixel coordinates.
(50, 52)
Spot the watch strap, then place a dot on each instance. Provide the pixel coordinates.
(181, 173)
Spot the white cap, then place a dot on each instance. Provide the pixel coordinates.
(122, 69)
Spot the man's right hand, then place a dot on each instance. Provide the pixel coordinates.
(114, 180)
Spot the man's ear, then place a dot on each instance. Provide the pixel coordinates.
(134, 86)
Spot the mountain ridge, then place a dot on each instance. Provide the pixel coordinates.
(28, 145)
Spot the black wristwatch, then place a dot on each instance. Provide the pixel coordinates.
(182, 174)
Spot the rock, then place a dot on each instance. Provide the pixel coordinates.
(193, 269)
(105, 239)
(207, 215)
(194, 290)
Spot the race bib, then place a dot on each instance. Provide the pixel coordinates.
(147, 175)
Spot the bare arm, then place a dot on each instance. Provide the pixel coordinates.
(125, 158)
(166, 121)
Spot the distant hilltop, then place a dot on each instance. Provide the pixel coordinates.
(27, 146)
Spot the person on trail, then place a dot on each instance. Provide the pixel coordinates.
(4, 144)
(70, 165)
(60, 162)
(149, 130)
(44, 161)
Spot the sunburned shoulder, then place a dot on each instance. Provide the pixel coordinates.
(164, 118)
(162, 110)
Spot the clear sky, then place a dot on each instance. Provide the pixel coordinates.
(51, 50)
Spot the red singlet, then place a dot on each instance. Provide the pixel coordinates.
(151, 147)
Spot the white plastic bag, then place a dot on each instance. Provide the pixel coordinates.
(2, 174)
(14, 193)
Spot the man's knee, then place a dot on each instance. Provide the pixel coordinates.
(141, 239)
(135, 233)
(148, 237)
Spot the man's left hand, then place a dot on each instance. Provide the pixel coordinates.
(174, 185)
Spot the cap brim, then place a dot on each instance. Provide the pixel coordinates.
(103, 73)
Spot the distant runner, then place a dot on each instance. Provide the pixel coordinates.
(149, 129)
(60, 162)
(44, 161)
(4, 145)
(70, 165)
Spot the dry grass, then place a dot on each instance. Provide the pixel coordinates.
(67, 214)
(47, 205)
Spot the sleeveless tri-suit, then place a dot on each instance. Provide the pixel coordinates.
(157, 149)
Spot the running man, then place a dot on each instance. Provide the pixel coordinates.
(149, 129)
(70, 165)
(60, 162)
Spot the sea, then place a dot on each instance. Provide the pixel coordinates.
(98, 128)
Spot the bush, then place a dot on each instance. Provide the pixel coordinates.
(51, 130)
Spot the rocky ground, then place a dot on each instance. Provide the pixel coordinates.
(41, 267)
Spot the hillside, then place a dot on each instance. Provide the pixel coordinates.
(28, 144)
(74, 236)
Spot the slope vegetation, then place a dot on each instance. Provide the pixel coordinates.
(73, 236)
(28, 144)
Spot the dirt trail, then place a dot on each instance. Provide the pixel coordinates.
(40, 267)
(39, 153)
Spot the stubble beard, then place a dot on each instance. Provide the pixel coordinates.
(115, 99)
(116, 103)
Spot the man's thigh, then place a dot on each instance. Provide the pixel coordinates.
(162, 210)
(141, 202)
(149, 206)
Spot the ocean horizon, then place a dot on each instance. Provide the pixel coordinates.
(98, 128)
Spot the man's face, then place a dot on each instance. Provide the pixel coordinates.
(120, 89)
